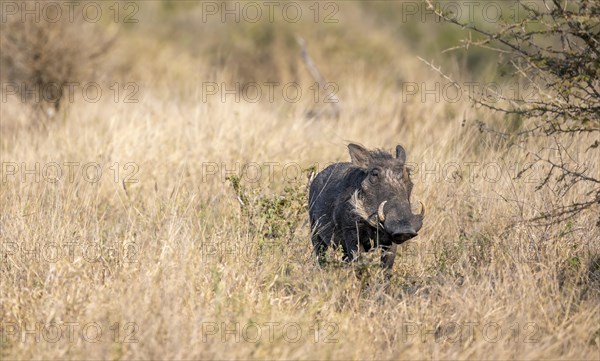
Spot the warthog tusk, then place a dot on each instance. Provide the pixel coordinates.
(380, 213)
(422, 210)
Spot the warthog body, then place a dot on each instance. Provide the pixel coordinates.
(363, 204)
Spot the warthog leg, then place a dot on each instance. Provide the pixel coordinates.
(388, 256)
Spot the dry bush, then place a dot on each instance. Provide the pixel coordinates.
(40, 57)
(552, 48)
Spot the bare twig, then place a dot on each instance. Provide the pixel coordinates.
(559, 58)
(316, 75)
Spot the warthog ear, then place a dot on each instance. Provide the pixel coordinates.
(400, 153)
(359, 155)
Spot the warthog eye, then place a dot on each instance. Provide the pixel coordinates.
(374, 175)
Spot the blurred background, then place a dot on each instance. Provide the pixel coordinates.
(171, 48)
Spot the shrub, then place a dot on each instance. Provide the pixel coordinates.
(553, 49)
(39, 58)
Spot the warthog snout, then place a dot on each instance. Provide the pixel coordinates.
(403, 235)
(401, 225)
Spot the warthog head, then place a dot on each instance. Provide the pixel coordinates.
(383, 198)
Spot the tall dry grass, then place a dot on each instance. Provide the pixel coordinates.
(167, 264)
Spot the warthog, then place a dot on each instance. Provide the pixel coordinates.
(363, 204)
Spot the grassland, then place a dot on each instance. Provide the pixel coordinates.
(152, 250)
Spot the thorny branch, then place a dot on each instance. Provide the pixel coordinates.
(556, 49)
